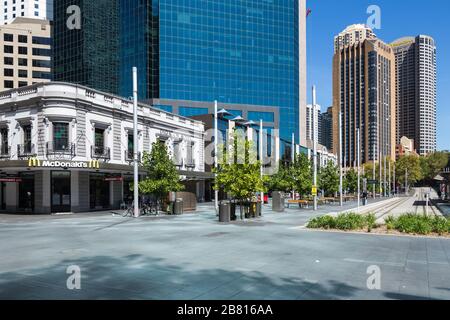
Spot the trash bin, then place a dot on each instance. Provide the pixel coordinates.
(278, 201)
(225, 211)
(178, 206)
(259, 209)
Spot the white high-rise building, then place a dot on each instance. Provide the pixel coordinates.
(36, 9)
(309, 122)
(415, 59)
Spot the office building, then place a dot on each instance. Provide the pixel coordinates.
(364, 91)
(312, 122)
(68, 148)
(246, 53)
(326, 129)
(25, 51)
(415, 59)
(34, 9)
(88, 55)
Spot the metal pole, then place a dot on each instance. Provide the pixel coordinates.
(380, 162)
(384, 183)
(406, 181)
(314, 144)
(261, 156)
(358, 138)
(395, 183)
(341, 196)
(216, 165)
(135, 143)
(374, 174)
(390, 184)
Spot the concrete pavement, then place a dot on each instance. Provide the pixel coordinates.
(194, 257)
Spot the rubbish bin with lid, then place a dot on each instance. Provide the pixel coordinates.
(178, 206)
(278, 201)
(224, 211)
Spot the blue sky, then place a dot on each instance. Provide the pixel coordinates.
(399, 18)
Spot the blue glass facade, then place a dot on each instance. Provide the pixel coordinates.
(234, 51)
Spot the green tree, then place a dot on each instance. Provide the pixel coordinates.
(281, 180)
(239, 173)
(410, 163)
(301, 175)
(433, 163)
(162, 175)
(329, 179)
(351, 181)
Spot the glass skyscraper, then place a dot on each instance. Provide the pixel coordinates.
(240, 52)
(88, 55)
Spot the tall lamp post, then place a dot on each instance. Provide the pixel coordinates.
(216, 165)
(135, 144)
(341, 198)
(314, 145)
(358, 138)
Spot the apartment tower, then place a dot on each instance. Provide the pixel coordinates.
(415, 60)
(364, 93)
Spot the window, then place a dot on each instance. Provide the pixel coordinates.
(8, 84)
(8, 37)
(27, 139)
(264, 116)
(42, 40)
(177, 154)
(23, 50)
(60, 136)
(42, 52)
(191, 111)
(42, 63)
(8, 49)
(42, 75)
(23, 73)
(8, 61)
(8, 72)
(23, 84)
(23, 39)
(4, 148)
(130, 153)
(23, 62)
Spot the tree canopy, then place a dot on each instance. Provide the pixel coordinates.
(329, 179)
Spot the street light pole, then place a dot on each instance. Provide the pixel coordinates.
(380, 162)
(216, 136)
(385, 184)
(314, 145)
(390, 184)
(373, 175)
(341, 197)
(135, 143)
(358, 138)
(261, 157)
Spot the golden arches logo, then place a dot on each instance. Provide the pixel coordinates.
(94, 164)
(34, 162)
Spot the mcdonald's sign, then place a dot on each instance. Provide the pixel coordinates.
(34, 162)
(94, 164)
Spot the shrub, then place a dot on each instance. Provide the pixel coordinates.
(390, 222)
(324, 222)
(440, 225)
(371, 220)
(350, 221)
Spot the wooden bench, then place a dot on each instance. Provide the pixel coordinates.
(301, 203)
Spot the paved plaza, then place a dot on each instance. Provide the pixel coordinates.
(194, 257)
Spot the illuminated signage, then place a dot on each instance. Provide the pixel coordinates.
(93, 164)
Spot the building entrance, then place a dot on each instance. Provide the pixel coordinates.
(26, 193)
(61, 191)
(99, 192)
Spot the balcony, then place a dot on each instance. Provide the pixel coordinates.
(26, 150)
(5, 152)
(129, 156)
(58, 148)
(190, 163)
(100, 153)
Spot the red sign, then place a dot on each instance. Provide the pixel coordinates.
(114, 179)
(16, 180)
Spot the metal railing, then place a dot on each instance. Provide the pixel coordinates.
(56, 148)
(26, 150)
(5, 152)
(129, 156)
(98, 152)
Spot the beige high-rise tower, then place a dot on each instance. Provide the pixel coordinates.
(364, 93)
